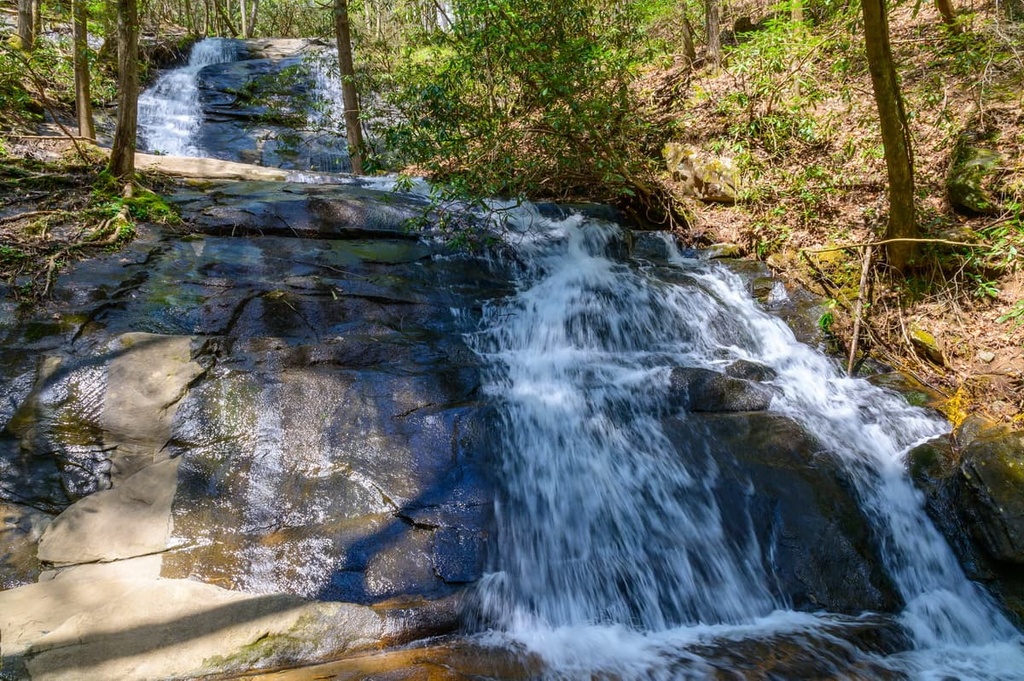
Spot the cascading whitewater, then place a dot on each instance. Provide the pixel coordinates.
(169, 114)
(611, 556)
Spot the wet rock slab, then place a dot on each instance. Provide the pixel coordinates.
(776, 480)
(257, 416)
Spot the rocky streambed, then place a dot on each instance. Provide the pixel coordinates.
(211, 442)
(262, 443)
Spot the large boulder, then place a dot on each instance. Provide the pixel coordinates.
(704, 176)
(149, 629)
(993, 478)
(972, 183)
(973, 494)
(705, 390)
(776, 480)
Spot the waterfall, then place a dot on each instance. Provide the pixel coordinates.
(328, 149)
(169, 114)
(611, 554)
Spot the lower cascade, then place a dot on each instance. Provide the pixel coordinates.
(630, 544)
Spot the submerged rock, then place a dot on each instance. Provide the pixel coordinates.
(704, 390)
(776, 481)
(20, 530)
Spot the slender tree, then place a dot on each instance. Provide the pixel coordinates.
(122, 155)
(948, 14)
(353, 131)
(83, 96)
(37, 18)
(689, 50)
(714, 31)
(26, 26)
(895, 133)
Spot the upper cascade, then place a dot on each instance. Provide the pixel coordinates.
(261, 102)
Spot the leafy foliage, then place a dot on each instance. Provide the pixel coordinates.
(524, 98)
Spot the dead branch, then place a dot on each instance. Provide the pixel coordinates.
(858, 311)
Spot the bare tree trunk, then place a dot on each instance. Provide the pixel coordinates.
(689, 49)
(83, 95)
(225, 19)
(948, 14)
(122, 155)
(37, 18)
(895, 134)
(245, 18)
(353, 131)
(255, 4)
(26, 27)
(714, 31)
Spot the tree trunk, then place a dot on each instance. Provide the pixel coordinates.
(245, 18)
(353, 131)
(26, 28)
(252, 18)
(83, 96)
(225, 19)
(895, 133)
(714, 31)
(122, 155)
(689, 50)
(37, 18)
(796, 10)
(945, 8)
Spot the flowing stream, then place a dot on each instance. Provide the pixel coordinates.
(611, 555)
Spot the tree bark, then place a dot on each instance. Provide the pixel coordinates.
(353, 131)
(245, 18)
(122, 155)
(714, 31)
(689, 50)
(252, 18)
(83, 94)
(892, 116)
(26, 28)
(37, 18)
(948, 14)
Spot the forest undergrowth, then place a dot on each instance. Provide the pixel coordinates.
(794, 111)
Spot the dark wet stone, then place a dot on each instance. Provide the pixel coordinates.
(256, 110)
(844, 651)
(750, 371)
(305, 210)
(776, 479)
(704, 390)
(957, 497)
(992, 471)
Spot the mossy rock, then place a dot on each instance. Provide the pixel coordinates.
(993, 475)
(973, 181)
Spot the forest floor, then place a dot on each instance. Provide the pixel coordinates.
(797, 118)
